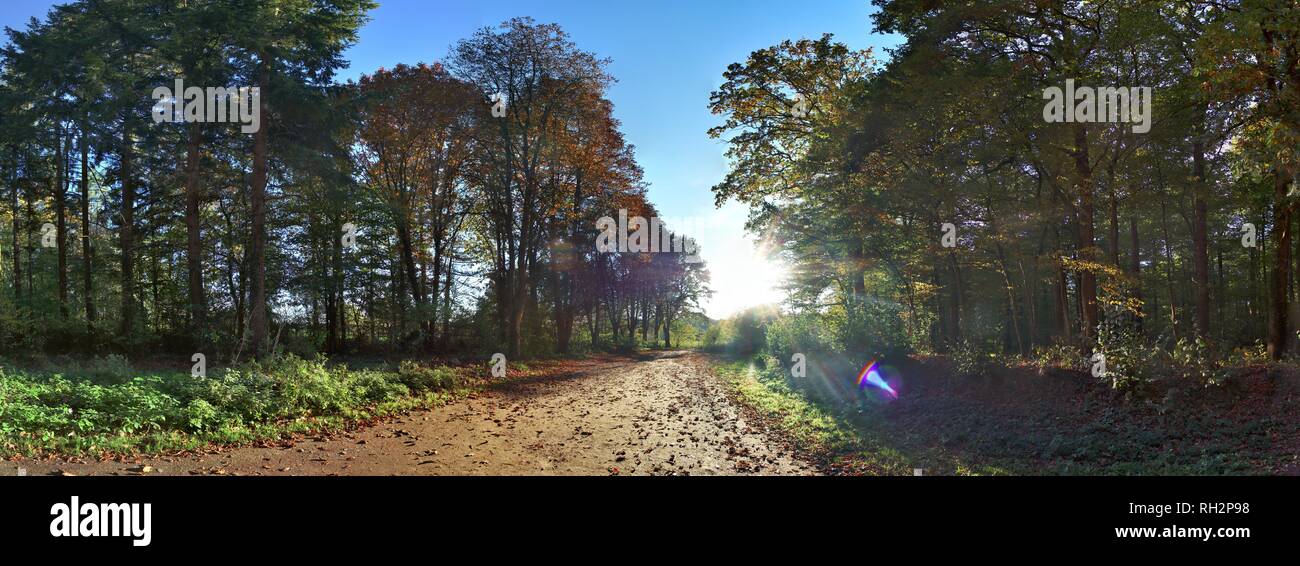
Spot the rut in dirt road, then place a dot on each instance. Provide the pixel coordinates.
(659, 414)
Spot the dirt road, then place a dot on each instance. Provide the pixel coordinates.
(659, 414)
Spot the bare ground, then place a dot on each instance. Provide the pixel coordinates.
(659, 414)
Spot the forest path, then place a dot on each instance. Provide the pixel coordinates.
(657, 414)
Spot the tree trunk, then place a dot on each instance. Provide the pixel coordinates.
(331, 291)
(61, 222)
(127, 237)
(668, 332)
(17, 227)
(1087, 278)
(1062, 302)
(1277, 328)
(407, 251)
(518, 307)
(1200, 248)
(1135, 265)
(958, 304)
(257, 315)
(87, 247)
(197, 307)
(446, 302)
(1113, 236)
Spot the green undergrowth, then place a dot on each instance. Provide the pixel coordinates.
(105, 407)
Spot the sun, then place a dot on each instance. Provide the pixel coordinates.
(746, 278)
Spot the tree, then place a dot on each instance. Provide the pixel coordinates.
(539, 72)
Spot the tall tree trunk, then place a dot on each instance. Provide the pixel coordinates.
(1169, 269)
(17, 228)
(1277, 327)
(958, 303)
(61, 221)
(198, 309)
(446, 301)
(1252, 301)
(407, 250)
(659, 311)
(668, 331)
(1087, 278)
(517, 309)
(332, 286)
(257, 315)
(1200, 240)
(87, 247)
(127, 236)
(563, 318)
(31, 245)
(1112, 237)
(1011, 299)
(1062, 301)
(1135, 264)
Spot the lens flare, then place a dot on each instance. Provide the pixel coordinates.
(870, 375)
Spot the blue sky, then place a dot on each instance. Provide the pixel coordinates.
(667, 56)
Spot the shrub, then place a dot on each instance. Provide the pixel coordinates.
(746, 332)
(200, 414)
(1063, 356)
(47, 411)
(378, 387)
(1127, 357)
(802, 333)
(421, 378)
(969, 361)
(1193, 360)
(1248, 355)
(713, 337)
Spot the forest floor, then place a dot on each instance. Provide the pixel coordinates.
(1030, 421)
(661, 413)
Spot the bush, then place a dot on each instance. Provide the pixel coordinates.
(377, 387)
(1127, 358)
(1063, 356)
(802, 333)
(969, 361)
(713, 337)
(744, 333)
(104, 404)
(421, 378)
(1193, 360)
(200, 414)
(307, 387)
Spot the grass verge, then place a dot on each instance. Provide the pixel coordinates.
(829, 435)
